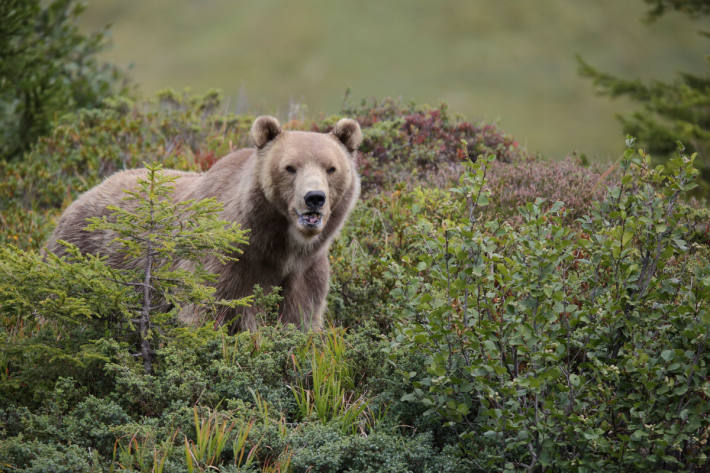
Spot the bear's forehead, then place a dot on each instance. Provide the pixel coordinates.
(308, 145)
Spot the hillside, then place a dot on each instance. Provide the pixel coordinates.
(512, 62)
(475, 321)
(490, 307)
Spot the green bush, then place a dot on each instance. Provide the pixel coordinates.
(549, 347)
(31, 456)
(155, 240)
(57, 319)
(468, 335)
(90, 424)
(325, 449)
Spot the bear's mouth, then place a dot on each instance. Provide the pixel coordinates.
(310, 219)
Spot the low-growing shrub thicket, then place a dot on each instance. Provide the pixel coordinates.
(476, 322)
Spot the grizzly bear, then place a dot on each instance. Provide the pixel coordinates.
(293, 191)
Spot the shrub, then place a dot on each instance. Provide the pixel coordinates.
(37, 457)
(325, 449)
(381, 231)
(421, 144)
(53, 316)
(91, 424)
(514, 184)
(161, 244)
(553, 348)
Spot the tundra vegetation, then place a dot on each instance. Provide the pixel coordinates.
(489, 310)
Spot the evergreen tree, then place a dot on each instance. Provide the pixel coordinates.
(55, 312)
(47, 68)
(690, 7)
(672, 113)
(154, 234)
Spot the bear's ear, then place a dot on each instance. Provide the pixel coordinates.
(348, 132)
(264, 129)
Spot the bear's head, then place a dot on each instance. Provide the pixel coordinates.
(308, 177)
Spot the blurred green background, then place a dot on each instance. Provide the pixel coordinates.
(510, 61)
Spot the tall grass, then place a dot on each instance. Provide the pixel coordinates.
(326, 391)
(239, 445)
(142, 453)
(211, 434)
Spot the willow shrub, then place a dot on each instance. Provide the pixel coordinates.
(573, 349)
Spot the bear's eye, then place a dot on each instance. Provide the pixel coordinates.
(291, 169)
(331, 170)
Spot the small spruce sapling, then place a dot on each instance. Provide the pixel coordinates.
(163, 242)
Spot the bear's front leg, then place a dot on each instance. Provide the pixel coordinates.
(305, 294)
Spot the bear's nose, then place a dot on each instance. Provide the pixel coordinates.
(315, 199)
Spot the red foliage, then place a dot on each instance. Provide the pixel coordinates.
(406, 142)
(513, 184)
(205, 159)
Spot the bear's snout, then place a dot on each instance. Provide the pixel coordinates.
(315, 199)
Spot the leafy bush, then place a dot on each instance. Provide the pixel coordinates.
(468, 335)
(380, 232)
(420, 144)
(553, 348)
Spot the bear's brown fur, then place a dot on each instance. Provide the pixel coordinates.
(293, 192)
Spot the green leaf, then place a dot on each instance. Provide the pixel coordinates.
(667, 355)
(409, 397)
(626, 238)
